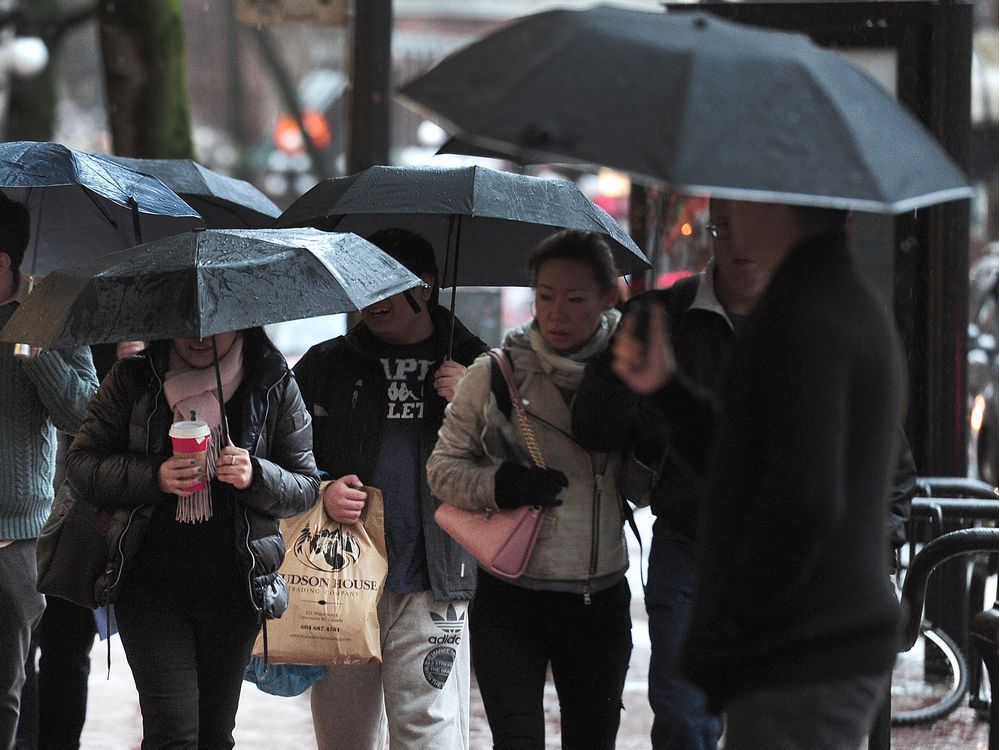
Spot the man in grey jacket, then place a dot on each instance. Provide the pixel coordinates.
(377, 398)
(37, 396)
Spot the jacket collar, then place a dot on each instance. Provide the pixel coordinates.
(20, 292)
(705, 299)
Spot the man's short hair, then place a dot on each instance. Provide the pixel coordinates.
(15, 228)
(410, 249)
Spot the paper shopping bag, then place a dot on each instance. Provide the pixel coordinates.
(335, 574)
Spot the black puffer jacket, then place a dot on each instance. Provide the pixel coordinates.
(344, 385)
(115, 459)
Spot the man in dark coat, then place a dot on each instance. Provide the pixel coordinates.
(705, 313)
(377, 397)
(792, 632)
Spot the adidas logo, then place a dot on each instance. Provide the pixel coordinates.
(451, 624)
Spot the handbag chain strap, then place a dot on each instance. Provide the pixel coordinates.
(527, 431)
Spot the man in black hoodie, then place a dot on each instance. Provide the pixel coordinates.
(377, 398)
(792, 632)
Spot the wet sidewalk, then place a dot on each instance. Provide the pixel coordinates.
(267, 722)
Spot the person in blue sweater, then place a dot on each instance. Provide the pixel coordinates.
(38, 395)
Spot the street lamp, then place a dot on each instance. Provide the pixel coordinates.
(24, 56)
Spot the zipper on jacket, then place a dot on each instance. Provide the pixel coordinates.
(595, 525)
(267, 407)
(156, 402)
(121, 539)
(253, 561)
(109, 569)
(246, 512)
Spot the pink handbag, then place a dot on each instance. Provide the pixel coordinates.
(501, 540)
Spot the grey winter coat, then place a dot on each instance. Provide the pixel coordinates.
(581, 547)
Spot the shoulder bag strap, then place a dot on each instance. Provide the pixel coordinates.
(500, 356)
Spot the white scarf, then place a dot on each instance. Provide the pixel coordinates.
(192, 394)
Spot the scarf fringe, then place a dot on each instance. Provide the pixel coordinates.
(197, 507)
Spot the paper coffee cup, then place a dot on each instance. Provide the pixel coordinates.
(190, 440)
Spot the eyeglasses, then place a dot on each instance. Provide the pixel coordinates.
(718, 230)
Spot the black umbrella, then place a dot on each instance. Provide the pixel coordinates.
(200, 283)
(223, 202)
(197, 284)
(485, 218)
(705, 105)
(83, 206)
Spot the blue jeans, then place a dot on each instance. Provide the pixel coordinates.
(681, 720)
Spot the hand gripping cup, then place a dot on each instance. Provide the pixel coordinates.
(190, 440)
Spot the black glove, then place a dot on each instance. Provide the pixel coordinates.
(517, 485)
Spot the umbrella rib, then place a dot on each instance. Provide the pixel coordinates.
(100, 208)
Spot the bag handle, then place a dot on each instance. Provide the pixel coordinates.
(527, 432)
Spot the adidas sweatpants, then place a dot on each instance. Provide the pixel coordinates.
(418, 696)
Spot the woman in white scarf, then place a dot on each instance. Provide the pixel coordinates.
(570, 609)
(196, 570)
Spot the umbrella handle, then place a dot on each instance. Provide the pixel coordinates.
(454, 283)
(218, 392)
(136, 228)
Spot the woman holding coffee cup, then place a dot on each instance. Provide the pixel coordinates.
(201, 553)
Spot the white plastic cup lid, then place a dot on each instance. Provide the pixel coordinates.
(189, 430)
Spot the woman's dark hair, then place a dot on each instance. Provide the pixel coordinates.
(589, 248)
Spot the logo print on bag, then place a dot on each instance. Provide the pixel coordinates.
(326, 551)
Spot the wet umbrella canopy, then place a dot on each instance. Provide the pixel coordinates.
(483, 220)
(83, 206)
(702, 104)
(200, 283)
(223, 202)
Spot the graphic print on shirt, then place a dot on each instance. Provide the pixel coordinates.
(405, 378)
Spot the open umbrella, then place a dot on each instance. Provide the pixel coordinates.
(702, 104)
(200, 283)
(481, 222)
(223, 202)
(83, 206)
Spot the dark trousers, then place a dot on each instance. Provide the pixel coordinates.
(20, 609)
(830, 715)
(516, 634)
(187, 660)
(65, 636)
(27, 719)
(681, 719)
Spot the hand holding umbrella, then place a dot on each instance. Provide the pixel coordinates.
(446, 379)
(198, 284)
(234, 466)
